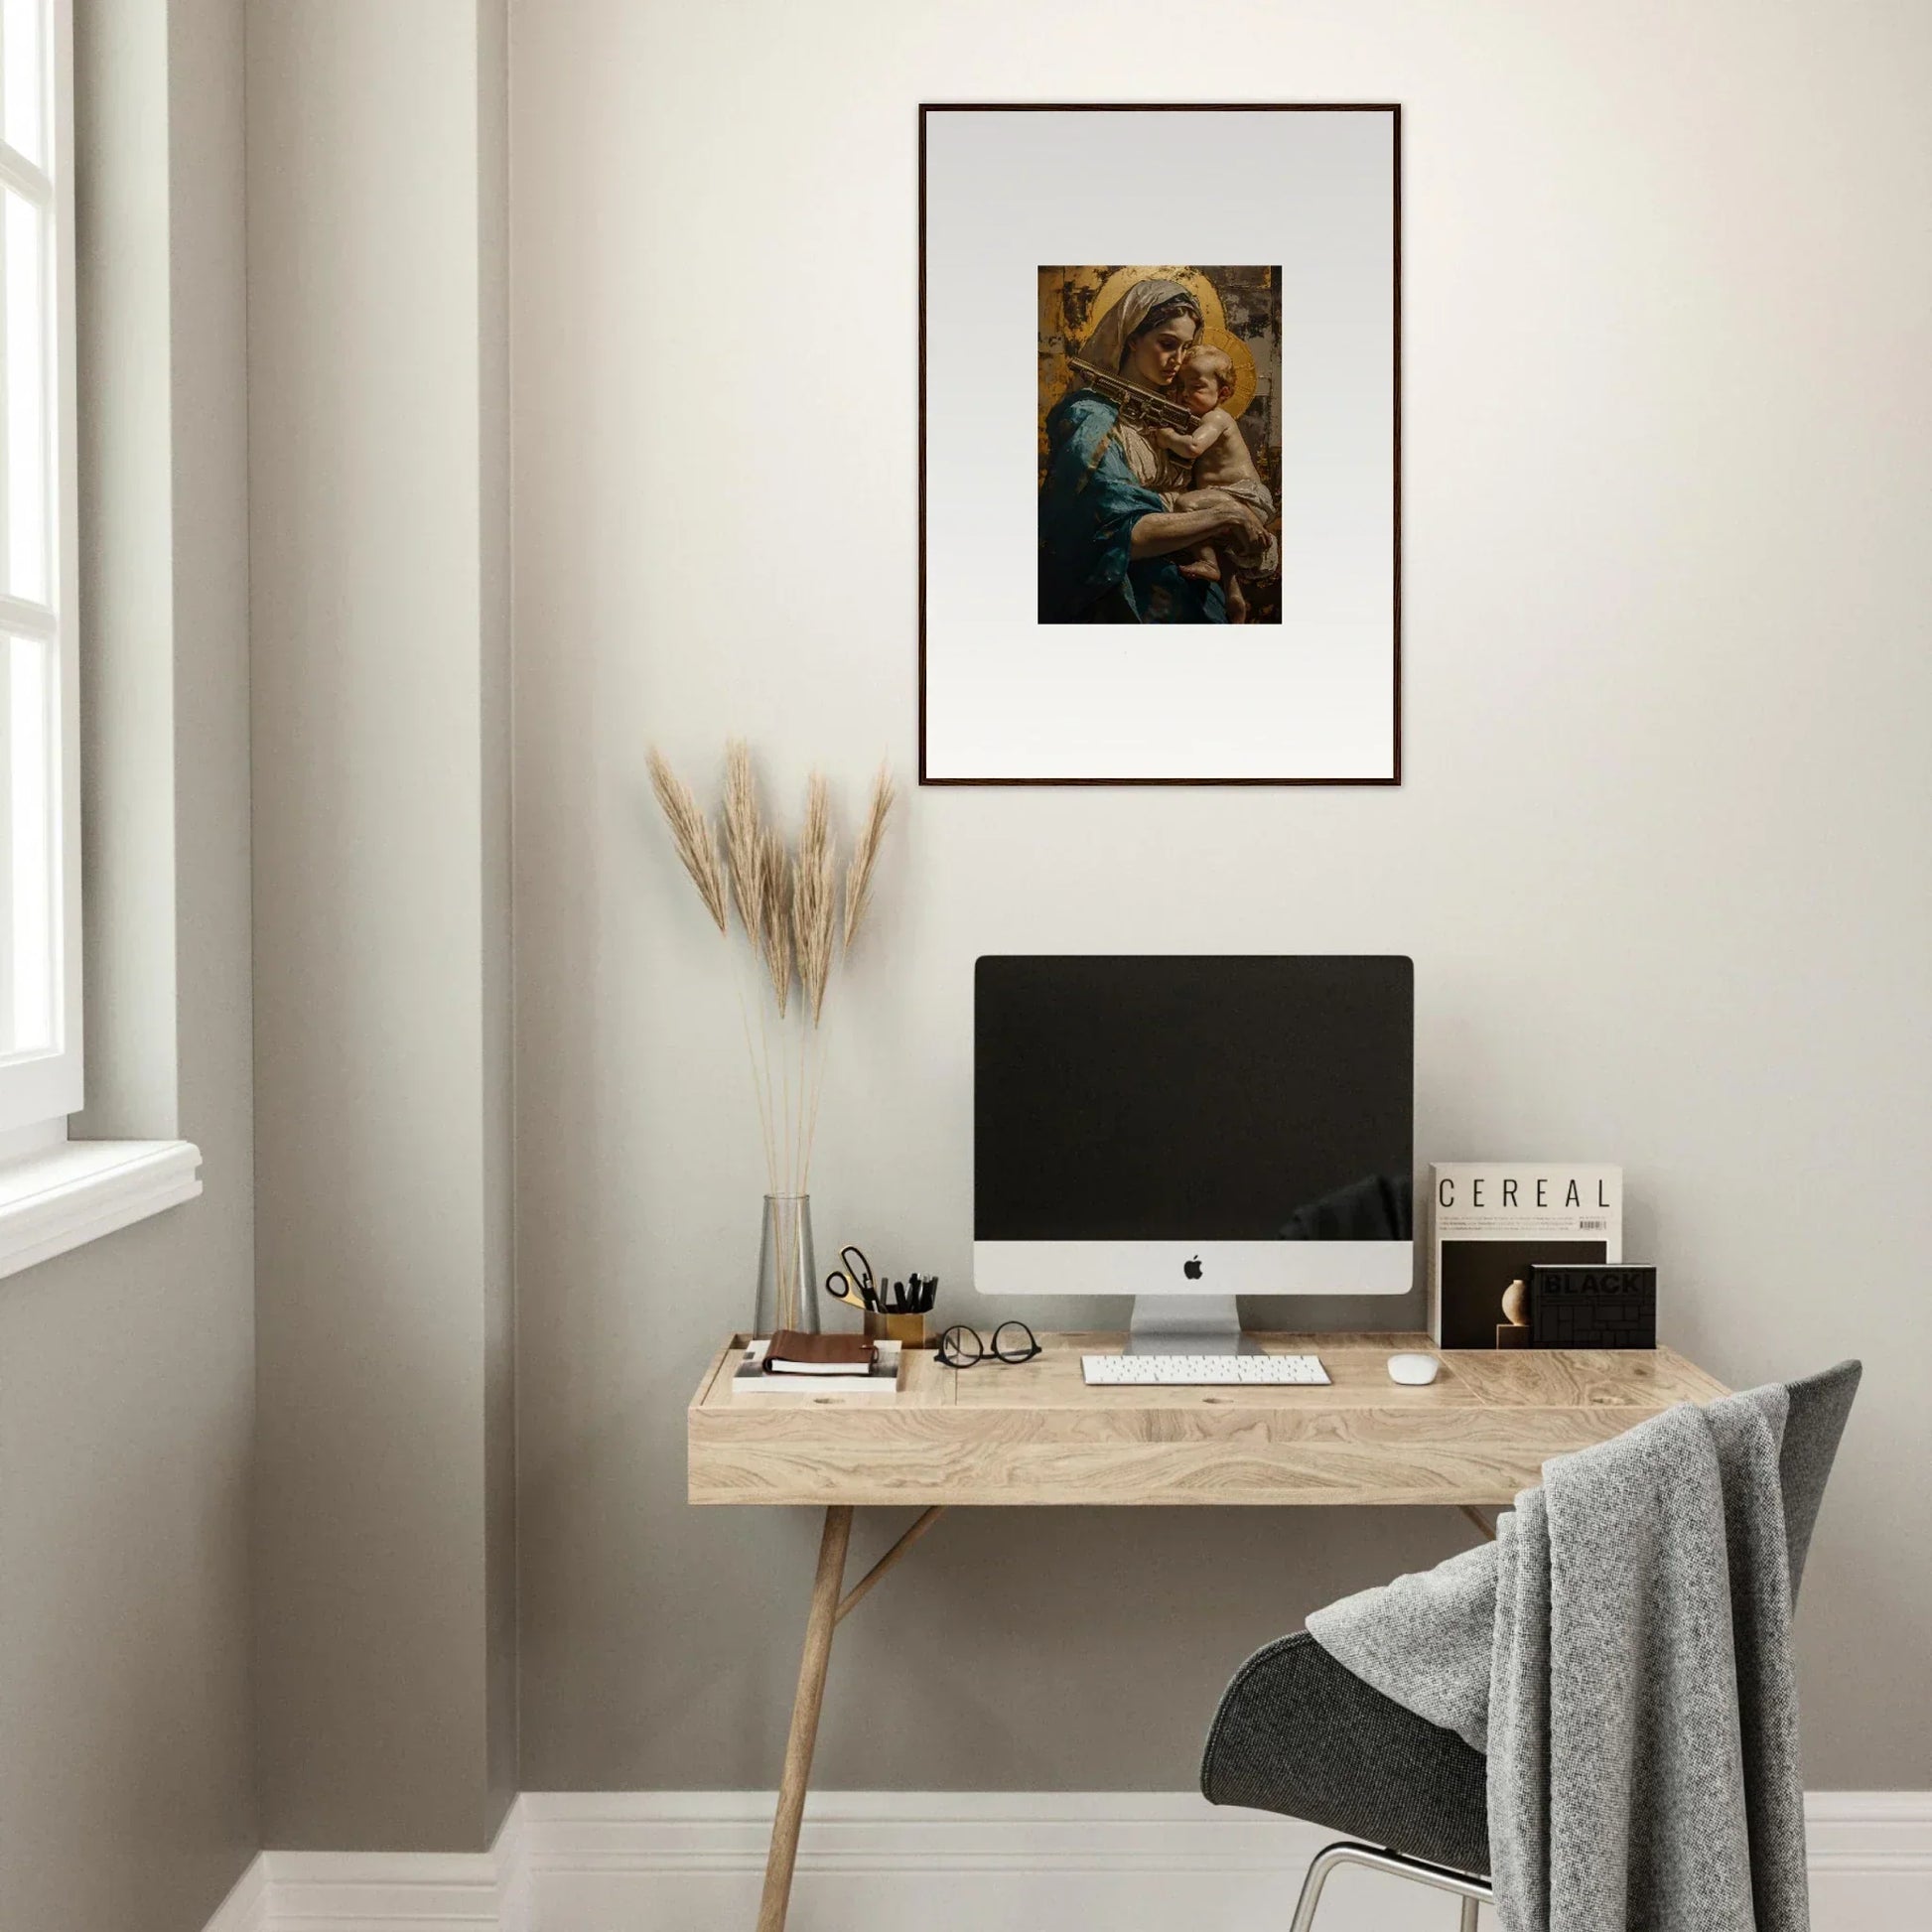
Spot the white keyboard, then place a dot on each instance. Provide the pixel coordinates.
(1202, 1371)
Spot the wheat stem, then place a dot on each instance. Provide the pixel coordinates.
(761, 1078)
(818, 1092)
(796, 1124)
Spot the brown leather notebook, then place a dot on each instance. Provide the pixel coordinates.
(793, 1352)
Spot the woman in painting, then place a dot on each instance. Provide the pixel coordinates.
(1108, 542)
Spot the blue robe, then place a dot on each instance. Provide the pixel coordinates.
(1088, 506)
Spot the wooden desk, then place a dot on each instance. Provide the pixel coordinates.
(1033, 1434)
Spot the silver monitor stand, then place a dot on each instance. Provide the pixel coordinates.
(1187, 1324)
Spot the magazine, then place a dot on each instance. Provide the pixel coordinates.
(1490, 1219)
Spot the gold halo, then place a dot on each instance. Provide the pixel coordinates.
(1236, 350)
(1191, 279)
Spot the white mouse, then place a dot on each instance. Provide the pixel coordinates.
(1413, 1370)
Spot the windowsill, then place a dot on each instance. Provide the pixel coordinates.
(82, 1189)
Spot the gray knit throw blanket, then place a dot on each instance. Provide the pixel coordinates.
(1622, 1652)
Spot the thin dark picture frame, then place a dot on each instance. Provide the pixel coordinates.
(1391, 109)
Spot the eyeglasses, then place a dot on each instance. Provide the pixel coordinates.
(1013, 1342)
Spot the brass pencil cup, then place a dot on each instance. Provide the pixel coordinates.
(908, 1329)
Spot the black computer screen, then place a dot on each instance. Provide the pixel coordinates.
(1151, 1098)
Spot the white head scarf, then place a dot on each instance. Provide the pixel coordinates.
(1106, 348)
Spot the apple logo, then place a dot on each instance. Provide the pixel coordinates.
(1191, 1269)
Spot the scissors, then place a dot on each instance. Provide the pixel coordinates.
(852, 1281)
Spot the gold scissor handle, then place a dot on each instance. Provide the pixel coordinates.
(850, 1284)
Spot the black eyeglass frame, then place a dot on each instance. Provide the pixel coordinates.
(951, 1358)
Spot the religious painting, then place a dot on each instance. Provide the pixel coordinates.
(1178, 368)
(1199, 309)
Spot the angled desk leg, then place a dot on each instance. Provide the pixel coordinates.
(828, 1610)
(819, 1622)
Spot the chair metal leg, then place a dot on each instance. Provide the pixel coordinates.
(1325, 1862)
(1471, 1890)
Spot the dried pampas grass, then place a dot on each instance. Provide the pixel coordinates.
(691, 833)
(865, 855)
(788, 904)
(774, 918)
(815, 897)
(744, 840)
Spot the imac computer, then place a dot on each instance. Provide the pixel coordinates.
(1185, 1130)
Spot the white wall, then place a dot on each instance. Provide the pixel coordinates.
(1659, 856)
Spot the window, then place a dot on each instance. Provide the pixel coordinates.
(55, 1192)
(39, 844)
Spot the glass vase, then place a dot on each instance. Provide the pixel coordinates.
(788, 1272)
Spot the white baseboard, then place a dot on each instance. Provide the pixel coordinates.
(954, 1860)
(386, 1891)
(246, 1909)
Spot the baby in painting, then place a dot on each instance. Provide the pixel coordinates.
(1218, 454)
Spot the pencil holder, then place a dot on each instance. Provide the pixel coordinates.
(908, 1329)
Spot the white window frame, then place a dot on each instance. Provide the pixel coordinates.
(55, 1192)
(39, 1089)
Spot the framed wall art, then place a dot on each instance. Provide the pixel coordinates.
(1159, 368)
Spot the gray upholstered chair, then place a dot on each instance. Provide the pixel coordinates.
(1299, 1734)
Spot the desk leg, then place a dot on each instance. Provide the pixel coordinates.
(824, 1614)
(1481, 1522)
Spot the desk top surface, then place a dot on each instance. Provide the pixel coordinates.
(1034, 1433)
